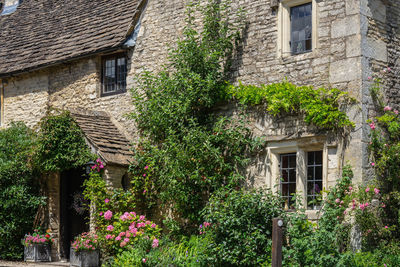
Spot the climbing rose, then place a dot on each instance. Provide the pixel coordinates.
(110, 228)
(372, 164)
(367, 190)
(108, 215)
(106, 200)
(387, 108)
(155, 243)
(376, 190)
(372, 125)
(337, 200)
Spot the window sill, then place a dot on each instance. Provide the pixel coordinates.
(113, 93)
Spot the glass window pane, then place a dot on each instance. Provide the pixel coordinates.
(292, 175)
(318, 157)
(301, 28)
(285, 176)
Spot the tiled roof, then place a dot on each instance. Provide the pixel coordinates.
(102, 134)
(44, 32)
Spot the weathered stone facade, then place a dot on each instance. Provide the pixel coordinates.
(355, 39)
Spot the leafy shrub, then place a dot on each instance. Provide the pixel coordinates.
(187, 252)
(241, 226)
(19, 194)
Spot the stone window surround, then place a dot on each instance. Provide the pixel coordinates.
(2, 83)
(300, 147)
(283, 47)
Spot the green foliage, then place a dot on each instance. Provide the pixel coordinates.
(321, 244)
(321, 107)
(187, 252)
(61, 145)
(19, 194)
(241, 226)
(186, 151)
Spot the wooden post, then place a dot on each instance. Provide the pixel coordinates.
(277, 224)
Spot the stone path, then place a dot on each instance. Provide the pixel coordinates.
(32, 264)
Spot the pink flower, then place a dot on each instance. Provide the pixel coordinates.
(389, 69)
(369, 78)
(144, 175)
(350, 188)
(144, 260)
(108, 215)
(132, 213)
(372, 164)
(345, 212)
(387, 108)
(372, 125)
(110, 228)
(122, 234)
(146, 167)
(108, 237)
(366, 204)
(376, 190)
(106, 200)
(155, 243)
(386, 227)
(123, 244)
(153, 225)
(342, 202)
(396, 112)
(118, 238)
(367, 190)
(337, 200)
(128, 234)
(362, 206)
(101, 214)
(126, 240)
(101, 166)
(141, 218)
(383, 205)
(144, 191)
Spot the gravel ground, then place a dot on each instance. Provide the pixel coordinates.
(32, 264)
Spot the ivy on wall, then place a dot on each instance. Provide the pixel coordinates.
(61, 145)
(321, 107)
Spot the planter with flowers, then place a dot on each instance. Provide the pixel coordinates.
(37, 246)
(84, 251)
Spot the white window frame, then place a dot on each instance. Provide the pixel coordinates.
(300, 147)
(283, 46)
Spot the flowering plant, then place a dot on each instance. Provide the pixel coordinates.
(123, 230)
(38, 238)
(85, 241)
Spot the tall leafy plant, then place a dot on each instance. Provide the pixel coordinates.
(19, 194)
(186, 151)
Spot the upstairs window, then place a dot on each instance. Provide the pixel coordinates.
(114, 69)
(297, 27)
(301, 28)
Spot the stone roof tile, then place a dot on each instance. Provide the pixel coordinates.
(43, 32)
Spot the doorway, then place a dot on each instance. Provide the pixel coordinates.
(74, 212)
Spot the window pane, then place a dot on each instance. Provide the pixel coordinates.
(285, 176)
(301, 28)
(314, 179)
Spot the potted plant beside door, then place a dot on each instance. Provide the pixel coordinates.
(37, 246)
(84, 251)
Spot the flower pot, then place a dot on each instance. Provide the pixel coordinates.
(37, 252)
(84, 258)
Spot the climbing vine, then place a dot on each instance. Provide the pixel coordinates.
(320, 107)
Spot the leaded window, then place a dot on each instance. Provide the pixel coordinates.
(288, 178)
(301, 28)
(314, 179)
(114, 74)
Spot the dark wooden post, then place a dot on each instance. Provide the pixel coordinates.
(277, 224)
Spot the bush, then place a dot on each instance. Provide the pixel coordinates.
(19, 194)
(241, 226)
(187, 252)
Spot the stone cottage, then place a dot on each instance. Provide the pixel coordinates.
(83, 56)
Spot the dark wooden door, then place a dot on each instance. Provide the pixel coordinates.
(74, 213)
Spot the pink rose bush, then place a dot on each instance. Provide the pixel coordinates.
(85, 241)
(123, 230)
